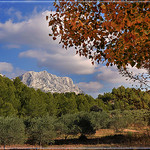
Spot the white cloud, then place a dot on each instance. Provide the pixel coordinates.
(12, 46)
(111, 74)
(33, 32)
(5, 67)
(64, 62)
(9, 71)
(90, 87)
(48, 53)
(15, 73)
(136, 71)
(14, 13)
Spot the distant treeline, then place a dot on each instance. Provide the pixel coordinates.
(16, 99)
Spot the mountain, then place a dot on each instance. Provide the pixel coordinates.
(48, 82)
(1, 75)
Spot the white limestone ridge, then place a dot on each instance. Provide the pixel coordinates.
(1, 75)
(48, 82)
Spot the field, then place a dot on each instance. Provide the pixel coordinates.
(131, 137)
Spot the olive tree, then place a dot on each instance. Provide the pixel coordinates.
(41, 130)
(12, 131)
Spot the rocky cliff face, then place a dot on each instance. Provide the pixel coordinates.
(48, 82)
(1, 75)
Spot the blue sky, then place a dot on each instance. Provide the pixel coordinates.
(25, 46)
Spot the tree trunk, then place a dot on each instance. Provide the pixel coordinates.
(4, 146)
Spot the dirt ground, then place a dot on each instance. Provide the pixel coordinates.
(99, 140)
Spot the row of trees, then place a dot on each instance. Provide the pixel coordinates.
(20, 100)
(44, 130)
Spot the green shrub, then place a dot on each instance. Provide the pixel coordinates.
(41, 131)
(12, 131)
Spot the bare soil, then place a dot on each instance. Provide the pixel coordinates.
(132, 137)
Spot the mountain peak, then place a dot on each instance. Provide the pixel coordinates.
(48, 82)
(1, 75)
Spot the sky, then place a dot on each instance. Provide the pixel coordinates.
(25, 45)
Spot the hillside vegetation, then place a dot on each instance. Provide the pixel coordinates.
(19, 100)
(34, 117)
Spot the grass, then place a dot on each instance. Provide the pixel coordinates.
(133, 136)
